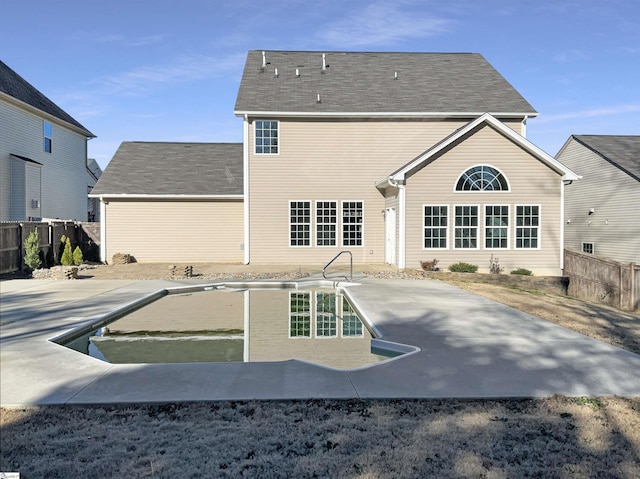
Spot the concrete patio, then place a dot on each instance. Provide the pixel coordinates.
(469, 347)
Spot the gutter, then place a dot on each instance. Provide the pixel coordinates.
(385, 114)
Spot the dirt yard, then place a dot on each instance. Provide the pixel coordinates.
(557, 437)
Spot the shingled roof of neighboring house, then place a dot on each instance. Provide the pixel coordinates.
(17, 87)
(173, 169)
(462, 84)
(621, 151)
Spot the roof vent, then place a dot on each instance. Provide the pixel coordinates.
(324, 63)
(264, 60)
(395, 75)
(297, 73)
(275, 74)
(318, 100)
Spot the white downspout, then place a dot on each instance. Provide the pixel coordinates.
(562, 226)
(103, 230)
(245, 167)
(523, 128)
(402, 201)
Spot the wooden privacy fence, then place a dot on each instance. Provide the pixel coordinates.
(12, 236)
(602, 280)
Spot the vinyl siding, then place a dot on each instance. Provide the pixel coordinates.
(531, 183)
(175, 231)
(64, 188)
(33, 182)
(331, 160)
(614, 226)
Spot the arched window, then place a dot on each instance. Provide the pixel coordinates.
(482, 178)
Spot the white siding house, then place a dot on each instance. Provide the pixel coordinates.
(43, 155)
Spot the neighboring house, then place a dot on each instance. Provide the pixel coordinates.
(396, 157)
(172, 202)
(93, 175)
(602, 210)
(43, 155)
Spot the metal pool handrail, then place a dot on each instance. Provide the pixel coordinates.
(350, 278)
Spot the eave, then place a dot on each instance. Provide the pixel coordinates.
(45, 115)
(172, 197)
(410, 168)
(378, 114)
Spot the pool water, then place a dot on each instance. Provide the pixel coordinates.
(238, 325)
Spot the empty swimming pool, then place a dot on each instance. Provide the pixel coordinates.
(236, 322)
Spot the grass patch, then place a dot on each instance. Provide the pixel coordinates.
(552, 437)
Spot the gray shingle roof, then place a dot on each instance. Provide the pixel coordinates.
(164, 168)
(621, 151)
(356, 82)
(14, 85)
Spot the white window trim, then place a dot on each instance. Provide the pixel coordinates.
(515, 227)
(447, 229)
(311, 236)
(491, 192)
(317, 316)
(478, 231)
(340, 299)
(255, 134)
(342, 224)
(593, 247)
(484, 227)
(45, 137)
(317, 224)
(310, 315)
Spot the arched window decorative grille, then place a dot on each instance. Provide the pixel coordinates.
(482, 178)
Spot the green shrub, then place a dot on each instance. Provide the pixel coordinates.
(463, 268)
(32, 251)
(77, 256)
(522, 271)
(67, 255)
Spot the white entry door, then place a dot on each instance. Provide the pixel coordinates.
(390, 234)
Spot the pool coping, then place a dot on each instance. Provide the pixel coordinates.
(470, 347)
(377, 342)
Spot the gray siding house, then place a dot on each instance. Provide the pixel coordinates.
(165, 202)
(43, 155)
(602, 210)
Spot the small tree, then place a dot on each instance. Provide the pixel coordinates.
(67, 255)
(77, 256)
(32, 251)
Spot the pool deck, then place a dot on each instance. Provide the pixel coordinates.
(470, 347)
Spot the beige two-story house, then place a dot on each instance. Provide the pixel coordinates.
(397, 158)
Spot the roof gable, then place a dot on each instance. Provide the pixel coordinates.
(339, 83)
(621, 151)
(148, 169)
(17, 87)
(436, 150)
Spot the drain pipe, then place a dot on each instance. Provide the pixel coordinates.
(402, 202)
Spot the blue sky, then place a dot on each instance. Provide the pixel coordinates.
(169, 70)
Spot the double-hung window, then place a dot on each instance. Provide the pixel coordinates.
(46, 126)
(300, 315)
(466, 227)
(326, 223)
(496, 226)
(266, 137)
(352, 219)
(300, 223)
(435, 226)
(326, 318)
(527, 226)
